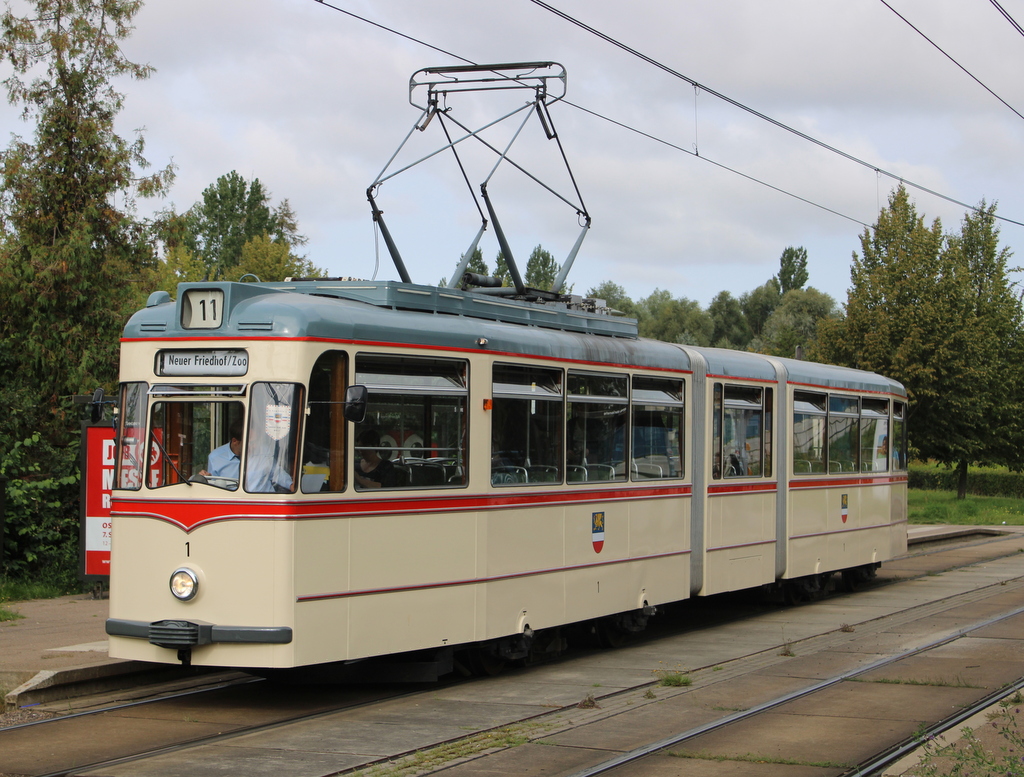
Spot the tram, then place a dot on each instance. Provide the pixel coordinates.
(410, 469)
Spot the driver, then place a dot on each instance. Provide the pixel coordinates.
(223, 462)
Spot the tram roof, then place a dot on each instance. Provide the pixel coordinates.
(365, 312)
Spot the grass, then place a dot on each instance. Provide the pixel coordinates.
(759, 759)
(939, 682)
(675, 679)
(19, 591)
(943, 507)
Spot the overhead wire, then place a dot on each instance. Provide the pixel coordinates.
(775, 122)
(876, 169)
(950, 58)
(1007, 16)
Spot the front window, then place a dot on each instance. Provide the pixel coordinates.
(193, 438)
(272, 441)
(131, 436)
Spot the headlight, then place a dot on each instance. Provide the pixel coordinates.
(184, 584)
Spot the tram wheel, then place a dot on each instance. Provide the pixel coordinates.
(484, 663)
(610, 634)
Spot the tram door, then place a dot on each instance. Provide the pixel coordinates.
(323, 457)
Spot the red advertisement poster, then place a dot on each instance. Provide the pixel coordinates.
(99, 482)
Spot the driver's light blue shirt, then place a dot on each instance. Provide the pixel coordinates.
(223, 463)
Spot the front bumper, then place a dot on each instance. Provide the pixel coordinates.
(178, 634)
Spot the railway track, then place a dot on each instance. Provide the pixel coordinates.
(461, 726)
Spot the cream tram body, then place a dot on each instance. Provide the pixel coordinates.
(546, 468)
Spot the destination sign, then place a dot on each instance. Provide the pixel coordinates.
(195, 363)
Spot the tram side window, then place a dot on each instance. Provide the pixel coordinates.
(526, 425)
(738, 431)
(657, 429)
(272, 441)
(874, 435)
(596, 427)
(414, 434)
(898, 444)
(131, 436)
(843, 434)
(323, 455)
(809, 417)
(191, 438)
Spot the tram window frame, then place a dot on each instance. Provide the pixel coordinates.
(186, 424)
(662, 399)
(874, 413)
(732, 403)
(898, 437)
(131, 435)
(527, 416)
(595, 400)
(403, 387)
(324, 456)
(844, 427)
(810, 409)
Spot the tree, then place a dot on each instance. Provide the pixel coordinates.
(794, 323)
(793, 269)
(674, 320)
(273, 261)
(730, 325)
(232, 212)
(541, 269)
(757, 305)
(71, 252)
(939, 316)
(614, 297)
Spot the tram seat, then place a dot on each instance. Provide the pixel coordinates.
(542, 473)
(402, 476)
(576, 473)
(801, 465)
(425, 474)
(508, 474)
(600, 472)
(644, 469)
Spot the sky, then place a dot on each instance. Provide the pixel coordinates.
(314, 103)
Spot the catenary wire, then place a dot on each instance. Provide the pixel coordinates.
(950, 58)
(1010, 19)
(696, 85)
(760, 115)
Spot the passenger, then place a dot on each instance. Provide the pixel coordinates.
(223, 462)
(371, 471)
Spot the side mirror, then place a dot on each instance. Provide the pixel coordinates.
(355, 404)
(97, 406)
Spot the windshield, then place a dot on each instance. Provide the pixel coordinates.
(197, 441)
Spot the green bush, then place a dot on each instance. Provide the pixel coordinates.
(980, 481)
(41, 526)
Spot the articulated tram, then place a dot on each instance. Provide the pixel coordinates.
(322, 471)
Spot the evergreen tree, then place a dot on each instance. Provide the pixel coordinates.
(72, 254)
(793, 269)
(541, 270)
